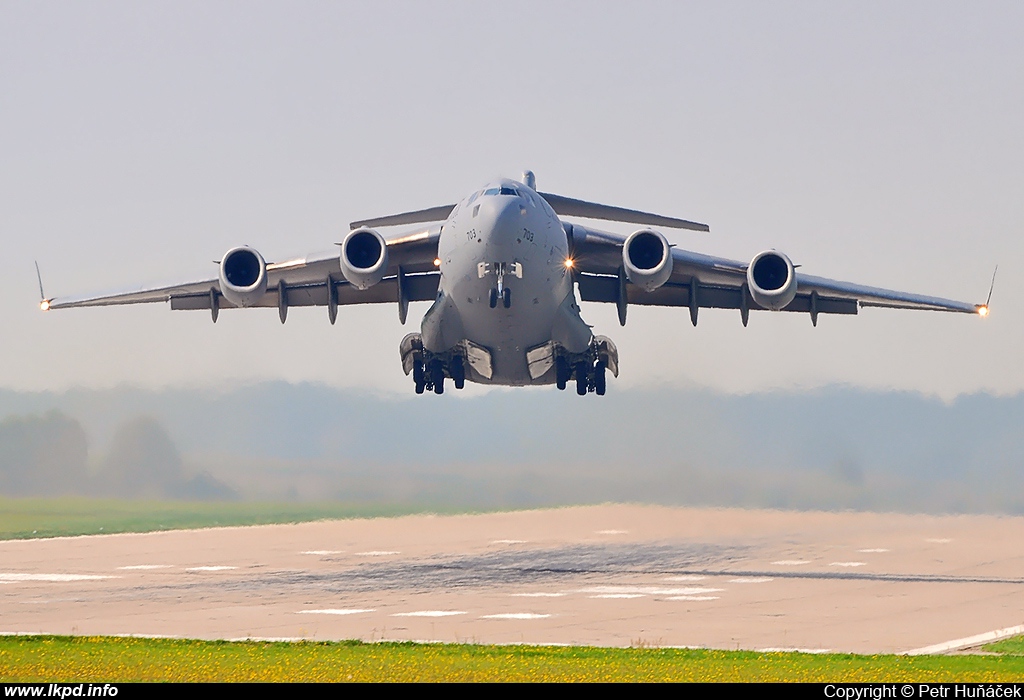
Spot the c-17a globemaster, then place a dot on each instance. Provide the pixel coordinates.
(503, 270)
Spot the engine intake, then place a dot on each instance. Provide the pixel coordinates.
(243, 276)
(771, 279)
(647, 259)
(364, 258)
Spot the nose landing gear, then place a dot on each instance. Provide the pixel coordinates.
(499, 290)
(504, 293)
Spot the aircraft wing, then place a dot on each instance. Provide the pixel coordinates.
(309, 281)
(704, 281)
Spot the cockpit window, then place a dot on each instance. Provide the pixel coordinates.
(511, 191)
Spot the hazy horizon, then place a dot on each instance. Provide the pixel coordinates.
(835, 448)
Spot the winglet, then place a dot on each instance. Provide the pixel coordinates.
(44, 303)
(983, 310)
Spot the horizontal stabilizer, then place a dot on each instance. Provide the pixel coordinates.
(410, 217)
(565, 206)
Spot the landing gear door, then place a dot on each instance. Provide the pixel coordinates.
(479, 359)
(540, 359)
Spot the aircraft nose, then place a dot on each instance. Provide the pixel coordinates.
(501, 216)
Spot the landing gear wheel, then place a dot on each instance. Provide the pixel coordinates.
(581, 378)
(458, 372)
(506, 297)
(600, 380)
(437, 376)
(492, 298)
(562, 373)
(418, 375)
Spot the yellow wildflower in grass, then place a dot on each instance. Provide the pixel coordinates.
(106, 659)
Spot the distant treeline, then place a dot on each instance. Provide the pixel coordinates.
(48, 455)
(832, 448)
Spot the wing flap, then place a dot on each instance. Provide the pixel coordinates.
(603, 288)
(883, 298)
(419, 287)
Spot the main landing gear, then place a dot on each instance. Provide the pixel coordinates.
(589, 369)
(588, 373)
(429, 371)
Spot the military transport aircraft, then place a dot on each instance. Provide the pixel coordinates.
(503, 271)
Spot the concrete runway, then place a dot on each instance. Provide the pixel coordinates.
(613, 575)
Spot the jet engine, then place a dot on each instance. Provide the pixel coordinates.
(647, 259)
(243, 276)
(771, 279)
(364, 258)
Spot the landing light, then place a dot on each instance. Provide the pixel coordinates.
(569, 262)
(437, 262)
(983, 311)
(44, 305)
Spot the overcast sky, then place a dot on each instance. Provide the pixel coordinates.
(880, 143)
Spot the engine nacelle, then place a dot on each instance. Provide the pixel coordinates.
(771, 279)
(364, 258)
(647, 259)
(243, 276)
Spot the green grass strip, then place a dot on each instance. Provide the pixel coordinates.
(107, 659)
(22, 518)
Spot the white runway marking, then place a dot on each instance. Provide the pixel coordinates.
(983, 638)
(19, 578)
(873, 551)
(847, 563)
(646, 590)
(321, 552)
(770, 650)
(145, 567)
(688, 577)
(939, 540)
(750, 579)
(618, 595)
(612, 532)
(376, 553)
(514, 616)
(537, 595)
(692, 597)
(210, 568)
(508, 542)
(336, 611)
(430, 613)
(791, 562)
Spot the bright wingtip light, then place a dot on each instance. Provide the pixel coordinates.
(983, 311)
(437, 262)
(44, 305)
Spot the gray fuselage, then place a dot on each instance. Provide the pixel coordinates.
(505, 236)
